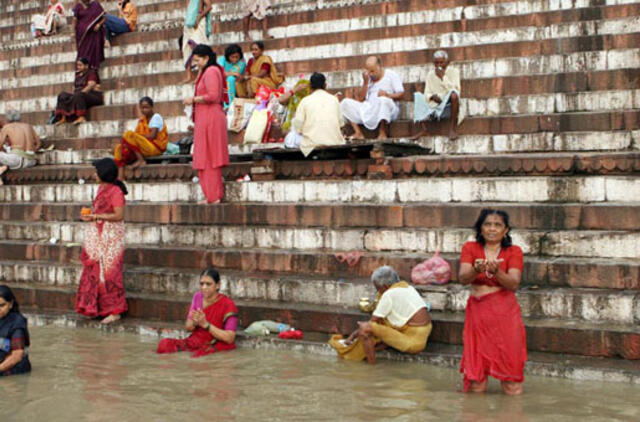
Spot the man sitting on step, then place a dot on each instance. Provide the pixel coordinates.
(18, 142)
(441, 98)
(400, 320)
(318, 118)
(377, 100)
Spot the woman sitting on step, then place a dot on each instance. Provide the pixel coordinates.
(212, 321)
(101, 290)
(148, 140)
(234, 67)
(51, 22)
(261, 70)
(494, 336)
(73, 107)
(14, 336)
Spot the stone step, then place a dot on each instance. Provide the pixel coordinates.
(594, 305)
(538, 363)
(561, 164)
(402, 191)
(524, 216)
(539, 271)
(544, 335)
(569, 243)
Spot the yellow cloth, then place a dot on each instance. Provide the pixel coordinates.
(130, 14)
(408, 339)
(272, 80)
(441, 87)
(319, 119)
(136, 141)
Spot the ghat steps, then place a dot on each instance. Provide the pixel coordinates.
(551, 93)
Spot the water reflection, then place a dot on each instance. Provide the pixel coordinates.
(88, 375)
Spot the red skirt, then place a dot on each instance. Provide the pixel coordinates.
(494, 339)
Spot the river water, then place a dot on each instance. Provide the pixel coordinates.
(89, 375)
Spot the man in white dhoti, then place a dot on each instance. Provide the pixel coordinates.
(441, 98)
(376, 104)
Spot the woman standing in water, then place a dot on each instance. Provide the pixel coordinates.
(212, 321)
(494, 337)
(101, 290)
(14, 336)
(210, 145)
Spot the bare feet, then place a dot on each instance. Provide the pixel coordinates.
(383, 135)
(62, 121)
(110, 319)
(418, 135)
(79, 120)
(3, 169)
(453, 135)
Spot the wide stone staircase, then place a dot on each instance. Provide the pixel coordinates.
(551, 94)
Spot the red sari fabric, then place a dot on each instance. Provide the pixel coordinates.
(210, 143)
(201, 342)
(101, 290)
(494, 338)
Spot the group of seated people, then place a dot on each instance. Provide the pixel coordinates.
(494, 335)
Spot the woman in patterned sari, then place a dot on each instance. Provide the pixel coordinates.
(101, 290)
(88, 23)
(212, 321)
(73, 107)
(149, 139)
(261, 70)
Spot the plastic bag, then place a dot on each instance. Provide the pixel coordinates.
(434, 270)
(265, 327)
(239, 113)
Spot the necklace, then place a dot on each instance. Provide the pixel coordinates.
(486, 257)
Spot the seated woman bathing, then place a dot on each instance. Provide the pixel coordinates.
(148, 140)
(234, 67)
(212, 321)
(261, 70)
(14, 336)
(494, 336)
(400, 320)
(86, 94)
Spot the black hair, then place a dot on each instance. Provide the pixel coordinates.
(211, 272)
(83, 60)
(231, 50)
(147, 100)
(7, 295)
(124, 3)
(484, 213)
(317, 80)
(108, 172)
(204, 50)
(260, 45)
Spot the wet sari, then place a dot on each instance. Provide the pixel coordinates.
(89, 43)
(101, 290)
(201, 342)
(133, 141)
(14, 335)
(76, 104)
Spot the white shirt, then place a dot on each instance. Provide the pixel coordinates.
(390, 82)
(319, 119)
(399, 304)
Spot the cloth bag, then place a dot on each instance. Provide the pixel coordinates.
(257, 127)
(434, 270)
(239, 113)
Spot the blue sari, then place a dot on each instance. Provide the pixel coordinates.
(14, 335)
(231, 80)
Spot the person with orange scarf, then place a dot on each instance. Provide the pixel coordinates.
(148, 140)
(261, 70)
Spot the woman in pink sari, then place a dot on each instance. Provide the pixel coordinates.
(212, 321)
(88, 23)
(210, 145)
(101, 290)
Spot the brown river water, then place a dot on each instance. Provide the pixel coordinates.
(89, 375)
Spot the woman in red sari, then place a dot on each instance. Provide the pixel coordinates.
(212, 321)
(101, 290)
(494, 337)
(210, 145)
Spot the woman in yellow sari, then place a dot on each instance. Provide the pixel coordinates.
(261, 70)
(149, 139)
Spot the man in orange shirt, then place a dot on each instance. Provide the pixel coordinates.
(126, 20)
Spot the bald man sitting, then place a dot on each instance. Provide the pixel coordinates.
(18, 144)
(376, 104)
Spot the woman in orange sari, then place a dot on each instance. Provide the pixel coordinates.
(101, 290)
(261, 70)
(212, 321)
(149, 139)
